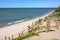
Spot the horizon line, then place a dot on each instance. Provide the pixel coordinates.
(28, 7)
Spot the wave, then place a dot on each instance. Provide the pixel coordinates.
(15, 22)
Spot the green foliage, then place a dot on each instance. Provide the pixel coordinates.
(39, 21)
(58, 9)
(26, 36)
(55, 15)
(45, 18)
(36, 28)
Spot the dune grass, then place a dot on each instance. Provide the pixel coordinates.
(39, 21)
(30, 34)
(26, 36)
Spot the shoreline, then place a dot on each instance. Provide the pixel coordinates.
(16, 22)
(18, 27)
(20, 21)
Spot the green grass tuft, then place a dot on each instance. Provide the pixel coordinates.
(26, 36)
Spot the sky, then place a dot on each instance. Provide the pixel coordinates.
(29, 3)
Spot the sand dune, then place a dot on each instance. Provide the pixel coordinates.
(47, 36)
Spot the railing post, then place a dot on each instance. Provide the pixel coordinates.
(22, 33)
(19, 34)
(5, 38)
(12, 37)
(8, 38)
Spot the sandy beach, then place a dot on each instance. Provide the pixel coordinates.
(14, 29)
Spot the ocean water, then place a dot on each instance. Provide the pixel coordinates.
(14, 15)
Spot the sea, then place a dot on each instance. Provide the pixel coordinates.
(9, 16)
